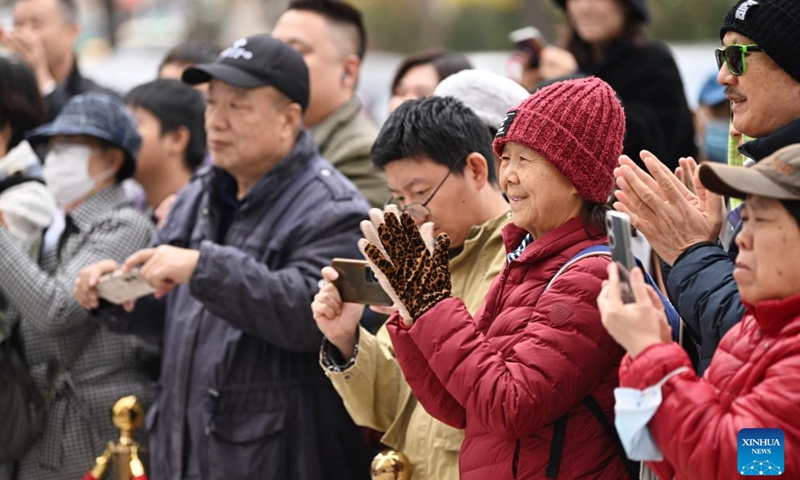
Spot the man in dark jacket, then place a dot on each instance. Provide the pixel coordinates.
(763, 85)
(235, 268)
(44, 36)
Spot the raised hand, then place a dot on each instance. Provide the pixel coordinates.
(417, 277)
(672, 217)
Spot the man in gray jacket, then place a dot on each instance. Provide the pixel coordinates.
(235, 268)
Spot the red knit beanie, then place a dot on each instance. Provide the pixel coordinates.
(578, 125)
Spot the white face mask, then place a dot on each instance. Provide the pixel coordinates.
(633, 410)
(66, 173)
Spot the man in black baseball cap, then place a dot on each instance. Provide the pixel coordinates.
(257, 61)
(234, 267)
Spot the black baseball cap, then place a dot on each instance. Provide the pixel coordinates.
(257, 61)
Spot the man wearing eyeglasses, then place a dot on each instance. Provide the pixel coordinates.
(760, 70)
(439, 168)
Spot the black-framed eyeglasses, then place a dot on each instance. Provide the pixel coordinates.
(420, 211)
(734, 57)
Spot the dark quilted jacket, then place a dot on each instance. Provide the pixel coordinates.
(241, 392)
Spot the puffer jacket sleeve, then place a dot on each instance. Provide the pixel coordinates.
(272, 304)
(563, 355)
(693, 427)
(702, 288)
(430, 392)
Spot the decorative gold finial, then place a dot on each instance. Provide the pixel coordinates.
(391, 465)
(128, 416)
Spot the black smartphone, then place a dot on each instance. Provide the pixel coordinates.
(357, 283)
(618, 228)
(530, 41)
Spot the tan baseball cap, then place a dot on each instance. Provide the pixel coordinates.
(777, 176)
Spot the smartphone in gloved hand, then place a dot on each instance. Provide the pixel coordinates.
(357, 283)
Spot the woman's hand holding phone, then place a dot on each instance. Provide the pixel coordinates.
(637, 325)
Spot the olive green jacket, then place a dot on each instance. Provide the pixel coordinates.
(345, 139)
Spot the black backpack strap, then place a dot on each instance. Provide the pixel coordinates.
(597, 411)
(556, 447)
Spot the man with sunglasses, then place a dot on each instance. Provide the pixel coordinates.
(760, 70)
(440, 168)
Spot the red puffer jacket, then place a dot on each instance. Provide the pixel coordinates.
(753, 381)
(526, 359)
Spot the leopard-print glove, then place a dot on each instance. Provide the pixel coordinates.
(419, 276)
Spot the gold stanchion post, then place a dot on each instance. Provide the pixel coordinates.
(391, 465)
(128, 416)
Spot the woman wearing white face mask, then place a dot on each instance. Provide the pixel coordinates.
(91, 147)
(79, 165)
(691, 427)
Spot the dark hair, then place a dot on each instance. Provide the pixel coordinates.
(176, 105)
(445, 62)
(191, 53)
(441, 128)
(793, 206)
(594, 219)
(69, 8)
(340, 13)
(20, 101)
(632, 32)
(128, 167)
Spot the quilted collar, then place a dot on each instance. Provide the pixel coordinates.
(548, 245)
(773, 315)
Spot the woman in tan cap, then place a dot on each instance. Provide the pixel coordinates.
(701, 427)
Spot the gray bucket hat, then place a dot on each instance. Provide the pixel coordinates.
(95, 114)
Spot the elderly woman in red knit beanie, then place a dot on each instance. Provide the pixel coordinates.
(530, 376)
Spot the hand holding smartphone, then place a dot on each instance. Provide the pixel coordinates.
(120, 287)
(618, 226)
(529, 41)
(357, 283)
